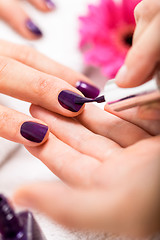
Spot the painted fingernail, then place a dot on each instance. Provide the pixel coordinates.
(33, 28)
(34, 132)
(87, 89)
(50, 4)
(68, 99)
(122, 75)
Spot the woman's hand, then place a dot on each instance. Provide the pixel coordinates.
(30, 76)
(144, 57)
(111, 167)
(13, 13)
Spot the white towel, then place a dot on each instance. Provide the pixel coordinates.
(6, 147)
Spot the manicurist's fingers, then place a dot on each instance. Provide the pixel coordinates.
(142, 59)
(20, 128)
(28, 84)
(145, 117)
(34, 59)
(144, 14)
(65, 162)
(19, 21)
(150, 112)
(71, 132)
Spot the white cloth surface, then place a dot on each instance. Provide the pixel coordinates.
(60, 43)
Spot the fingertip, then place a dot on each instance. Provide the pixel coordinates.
(50, 5)
(33, 28)
(34, 133)
(23, 197)
(33, 108)
(121, 77)
(44, 5)
(107, 108)
(67, 100)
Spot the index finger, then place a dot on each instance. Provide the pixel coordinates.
(34, 59)
(25, 83)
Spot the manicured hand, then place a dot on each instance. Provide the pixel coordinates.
(30, 76)
(110, 168)
(144, 57)
(12, 12)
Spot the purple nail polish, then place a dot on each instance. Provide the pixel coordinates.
(34, 132)
(21, 226)
(50, 4)
(33, 28)
(87, 89)
(67, 99)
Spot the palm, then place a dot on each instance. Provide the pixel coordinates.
(112, 158)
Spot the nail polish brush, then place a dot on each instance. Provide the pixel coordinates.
(127, 97)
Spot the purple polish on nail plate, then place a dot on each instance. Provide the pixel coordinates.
(33, 28)
(67, 99)
(21, 226)
(50, 4)
(87, 89)
(34, 132)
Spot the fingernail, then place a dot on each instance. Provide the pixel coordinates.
(121, 76)
(34, 132)
(87, 89)
(67, 99)
(50, 4)
(33, 28)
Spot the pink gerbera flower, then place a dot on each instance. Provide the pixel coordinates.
(106, 34)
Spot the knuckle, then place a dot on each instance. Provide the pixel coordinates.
(138, 11)
(3, 66)
(42, 87)
(8, 119)
(4, 119)
(147, 9)
(25, 54)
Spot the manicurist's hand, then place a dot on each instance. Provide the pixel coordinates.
(144, 57)
(110, 168)
(12, 12)
(30, 76)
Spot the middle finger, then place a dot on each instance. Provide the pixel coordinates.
(25, 83)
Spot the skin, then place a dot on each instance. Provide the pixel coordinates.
(106, 164)
(143, 58)
(17, 20)
(30, 76)
(109, 165)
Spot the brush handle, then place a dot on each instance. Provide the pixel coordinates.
(142, 95)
